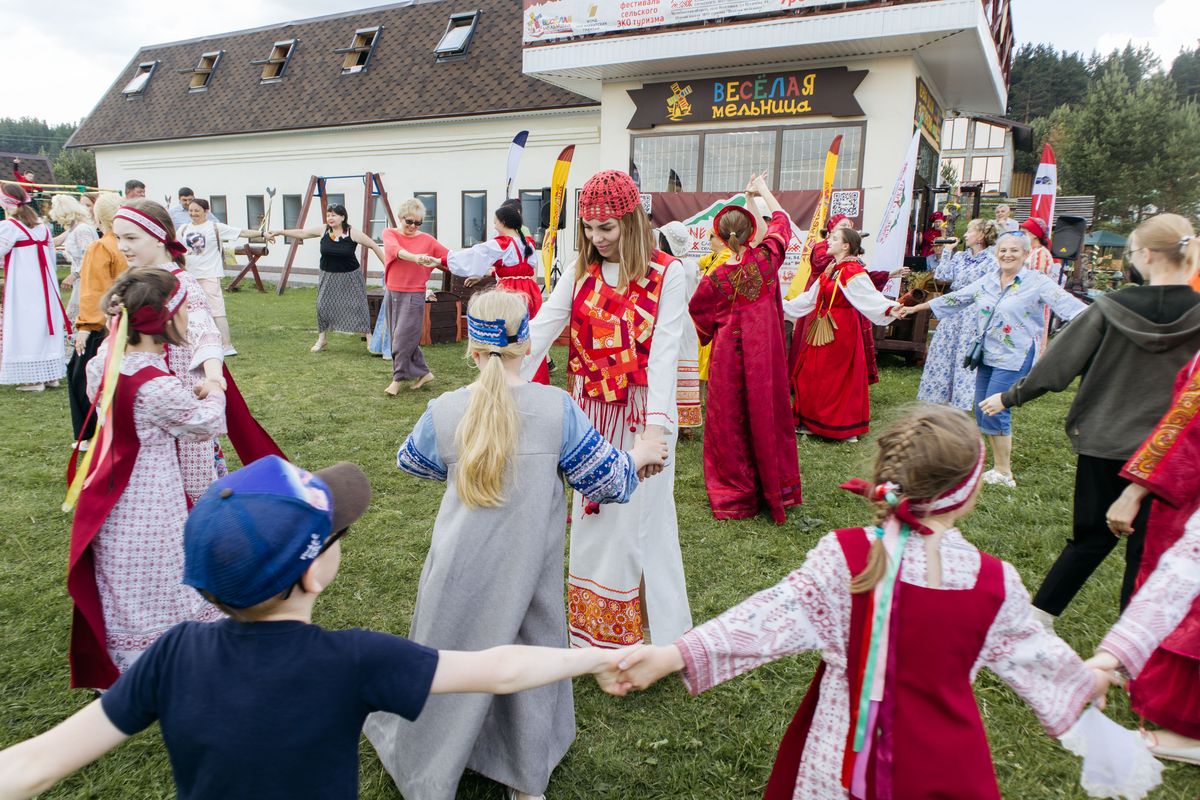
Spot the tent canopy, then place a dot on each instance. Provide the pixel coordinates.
(1104, 239)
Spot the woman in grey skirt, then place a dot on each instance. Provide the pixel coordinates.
(342, 287)
(494, 573)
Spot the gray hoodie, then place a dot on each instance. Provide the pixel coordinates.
(1128, 348)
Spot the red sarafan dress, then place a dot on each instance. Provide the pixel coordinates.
(514, 273)
(831, 378)
(1167, 691)
(750, 456)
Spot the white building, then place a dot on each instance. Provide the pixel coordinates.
(366, 91)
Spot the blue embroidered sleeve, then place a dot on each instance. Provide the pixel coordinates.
(594, 468)
(419, 454)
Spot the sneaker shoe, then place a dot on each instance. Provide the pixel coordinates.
(999, 479)
(80, 446)
(32, 387)
(852, 440)
(803, 431)
(53, 384)
(230, 351)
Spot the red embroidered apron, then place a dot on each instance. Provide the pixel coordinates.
(91, 666)
(49, 281)
(519, 278)
(930, 742)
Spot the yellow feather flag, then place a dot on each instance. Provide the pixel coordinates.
(108, 388)
(558, 195)
(804, 268)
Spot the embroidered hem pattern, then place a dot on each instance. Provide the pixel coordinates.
(598, 616)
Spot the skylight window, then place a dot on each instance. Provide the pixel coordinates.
(275, 64)
(202, 72)
(457, 37)
(137, 84)
(358, 54)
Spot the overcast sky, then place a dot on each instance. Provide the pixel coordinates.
(76, 52)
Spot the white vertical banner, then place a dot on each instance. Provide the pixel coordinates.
(893, 230)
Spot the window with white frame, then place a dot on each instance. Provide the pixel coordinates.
(137, 84)
(988, 136)
(954, 133)
(802, 159)
(987, 170)
(958, 165)
(662, 162)
(457, 38)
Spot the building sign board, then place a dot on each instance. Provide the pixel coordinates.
(738, 98)
(928, 115)
(548, 20)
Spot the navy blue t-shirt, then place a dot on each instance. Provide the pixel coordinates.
(268, 709)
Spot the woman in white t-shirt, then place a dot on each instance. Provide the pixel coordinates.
(204, 239)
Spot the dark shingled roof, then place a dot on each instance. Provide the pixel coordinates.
(40, 165)
(402, 81)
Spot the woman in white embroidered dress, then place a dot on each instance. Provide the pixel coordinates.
(626, 305)
(34, 321)
(146, 237)
(80, 232)
(935, 456)
(138, 550)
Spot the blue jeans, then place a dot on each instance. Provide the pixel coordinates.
(990, 380)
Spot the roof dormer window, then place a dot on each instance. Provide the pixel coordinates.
(202, 72)
(358, 54)
(274, 65)
(137, 84)
(457, 37)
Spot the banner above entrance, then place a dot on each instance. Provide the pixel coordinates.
(547, 20)
(739, 98)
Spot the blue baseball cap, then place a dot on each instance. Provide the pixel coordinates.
(256, 531)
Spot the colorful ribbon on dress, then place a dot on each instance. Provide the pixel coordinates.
(102, 438)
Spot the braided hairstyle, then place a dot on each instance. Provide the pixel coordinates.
(143, 286)
(927, 451)
(509, 215)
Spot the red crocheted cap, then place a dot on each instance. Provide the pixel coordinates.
(610, 194)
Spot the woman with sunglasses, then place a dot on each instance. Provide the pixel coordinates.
(1127, 348)
(405, 278)
(342, 287)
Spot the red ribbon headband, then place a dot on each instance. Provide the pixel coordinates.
(754, 222)
(149, 319)
(150, 225)
(909, 511)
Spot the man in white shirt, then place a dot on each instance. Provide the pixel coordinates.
(1004, 220)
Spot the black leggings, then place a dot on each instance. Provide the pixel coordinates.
(77, 385)
(1098, 483)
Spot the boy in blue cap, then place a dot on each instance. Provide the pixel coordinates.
(266, 704)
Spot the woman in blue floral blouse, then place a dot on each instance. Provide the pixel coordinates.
(945, 380)
(1009, 315)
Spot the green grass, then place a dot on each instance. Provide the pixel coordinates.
(330, 406)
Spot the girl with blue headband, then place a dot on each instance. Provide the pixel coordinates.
(494, 572)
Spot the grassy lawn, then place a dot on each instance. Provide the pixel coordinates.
(330, 406)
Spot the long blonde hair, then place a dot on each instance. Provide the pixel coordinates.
(634, 248)
(1173, 237)
(68, 212)
(487, 434)
(927, 451)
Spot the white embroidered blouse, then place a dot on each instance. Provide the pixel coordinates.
(810, 610)
(1160, 604)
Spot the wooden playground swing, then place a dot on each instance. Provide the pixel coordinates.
(372, 188)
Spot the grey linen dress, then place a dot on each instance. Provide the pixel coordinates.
(495, 576)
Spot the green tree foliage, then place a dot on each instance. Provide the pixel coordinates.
(1133, 145)
(1138, 63)
(1043, 79)
(34, 136)
(75, 166)
(1185, 71)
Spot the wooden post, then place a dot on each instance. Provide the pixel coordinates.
(368, 182)
(313, 183)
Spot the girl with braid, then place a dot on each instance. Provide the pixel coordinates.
(904, 613)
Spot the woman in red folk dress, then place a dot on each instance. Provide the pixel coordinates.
(507, 256)
(749, 443)
(831, 376)
(890, 713)
(126, 565)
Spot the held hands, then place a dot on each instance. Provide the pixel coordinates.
(647, 664)
(649, 452)
(429, 261)
(992, 405)
(652, 433)
(1104, 666)
(207, 386)
(1121, 513)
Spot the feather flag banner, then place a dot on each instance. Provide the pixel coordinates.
(893, 230)
(102, 438)
(558, 195)
(804, 268)
(514, 160)
(1045, 188)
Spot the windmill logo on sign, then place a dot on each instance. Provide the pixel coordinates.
(678, 106)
